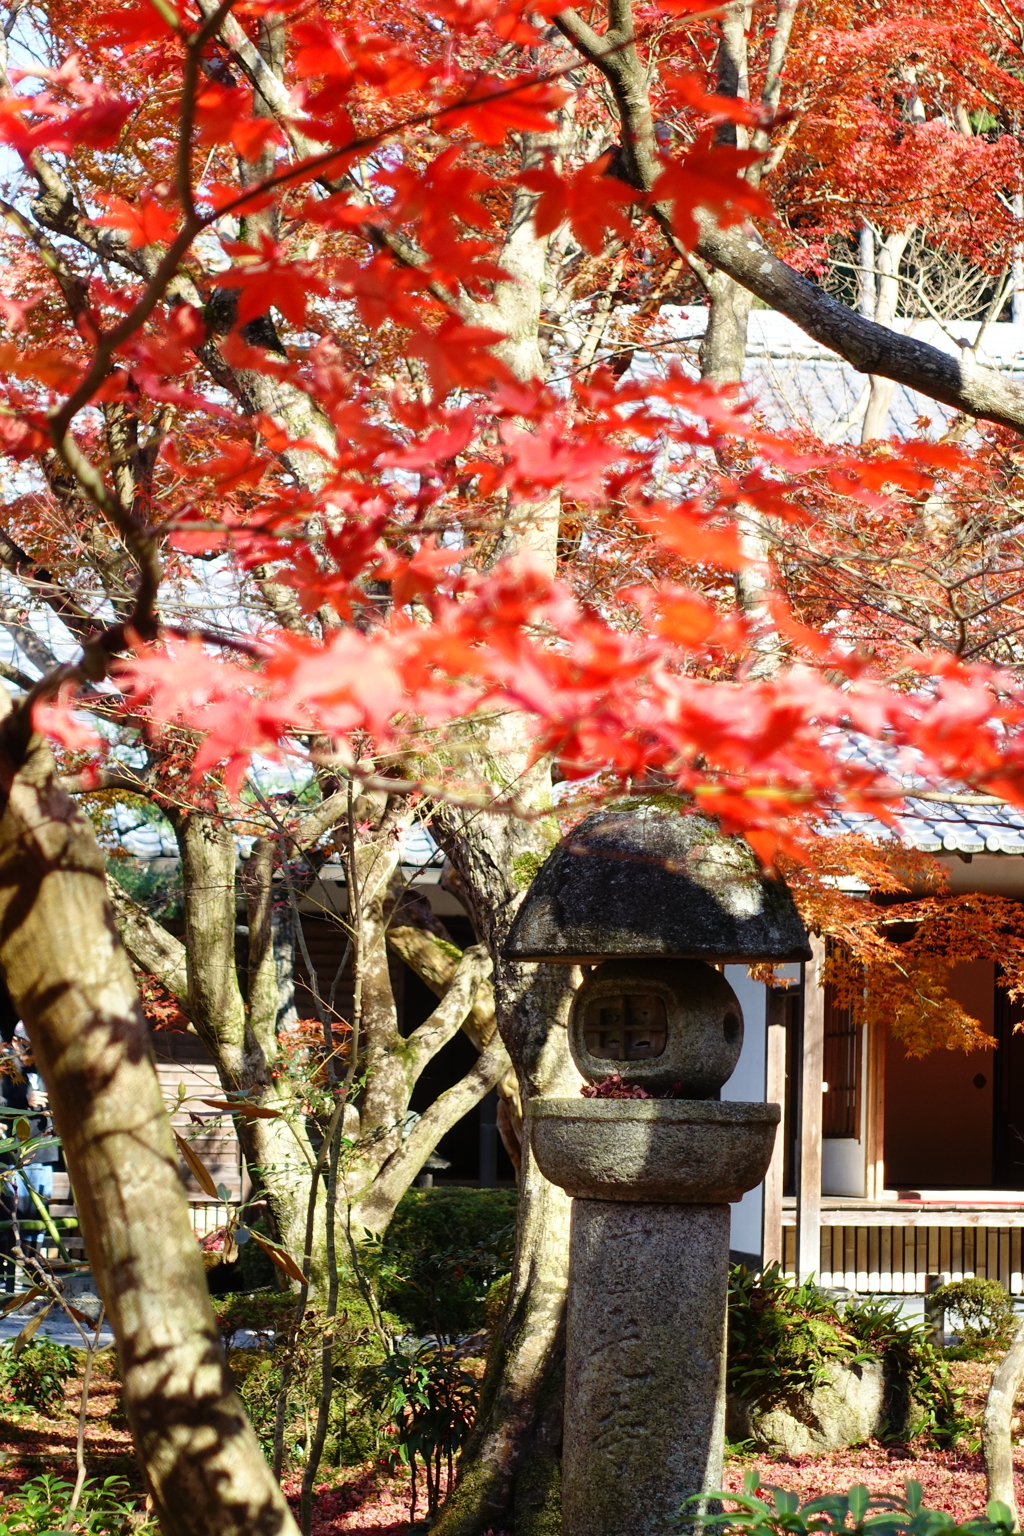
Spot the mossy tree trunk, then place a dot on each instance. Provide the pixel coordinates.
(71, 982)
(510, 1470)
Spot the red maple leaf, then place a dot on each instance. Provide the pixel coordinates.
(709, 177)
(457, 354)
(547, 457)
(148, 222)
(268, 279)
(590, 199)
(493, 107)
(686, 530)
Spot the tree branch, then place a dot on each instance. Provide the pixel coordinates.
(435, 962)
(452, 1011)
(406, 1161)
(323, 818)
(16, 676)
(149, 944)
(741, 254)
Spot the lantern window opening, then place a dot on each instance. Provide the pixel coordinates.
(627, 1026)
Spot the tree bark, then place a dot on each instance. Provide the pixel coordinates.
(243, 1034)
(887, 296)
(434, 961)
(996, 1435)
(71, 981)
(510, 1469)
(243, 1040)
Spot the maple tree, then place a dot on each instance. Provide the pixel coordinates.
(320, 450)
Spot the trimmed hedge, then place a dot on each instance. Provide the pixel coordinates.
(442, 1253)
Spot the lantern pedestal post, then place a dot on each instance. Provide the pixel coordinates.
(648, 1272)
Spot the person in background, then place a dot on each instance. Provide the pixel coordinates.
(39, 1165)
(23, 1091)
(14, 1089)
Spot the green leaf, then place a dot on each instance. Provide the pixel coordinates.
(47, 1221)
(859, 1500)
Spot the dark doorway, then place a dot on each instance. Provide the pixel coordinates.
(1008, 1119)
(786, 1007)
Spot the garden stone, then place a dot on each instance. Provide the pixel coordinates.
(847, 1407)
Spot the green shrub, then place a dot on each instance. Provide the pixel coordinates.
(982, 1314)
(920, 1395)
(783, 1337)
(36, 1377)
(425, 1403)
(352, 1429)
(496, 1301)
(40, 1506)
(762, 1510)
(441, 1254)
(160, 892)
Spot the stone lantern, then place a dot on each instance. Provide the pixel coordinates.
(653, 901)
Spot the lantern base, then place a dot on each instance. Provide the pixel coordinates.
(690, 1151)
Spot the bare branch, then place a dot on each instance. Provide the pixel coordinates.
(446, 1111)
(741, 254)
(452, 1011)
(18, 678)
(435, 962)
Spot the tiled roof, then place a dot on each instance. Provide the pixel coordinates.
(933, 826)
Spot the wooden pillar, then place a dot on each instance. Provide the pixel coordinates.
(808, 1200)
(775, 1093)
(874, 1116)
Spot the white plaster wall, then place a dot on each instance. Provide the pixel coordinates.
(747, 1085)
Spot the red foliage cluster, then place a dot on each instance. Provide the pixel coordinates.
(612, 1087)
(291, 290)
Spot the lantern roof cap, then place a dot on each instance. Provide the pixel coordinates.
(642, 881)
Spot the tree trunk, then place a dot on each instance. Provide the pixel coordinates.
(243, 1040)
(996, 1435)
(887, 294)
(72, 983)
(723, 349)
(510, 1469)
(382, 1157)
